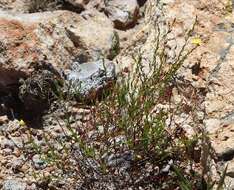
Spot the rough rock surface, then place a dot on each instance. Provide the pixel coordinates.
(211, 68)
(89, 78)
(123, 13)
(60, 37)
(56, 38)
(34, 40)
(14, 184)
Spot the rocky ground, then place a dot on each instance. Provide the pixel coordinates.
(68, 41)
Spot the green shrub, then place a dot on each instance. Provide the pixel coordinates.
(129, 122)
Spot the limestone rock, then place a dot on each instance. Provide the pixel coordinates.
(98, 40)
(230, 169)
(56, 38)
(123, 13)
(28, 39)
(229, 182)
(223, 141)
(215, 59)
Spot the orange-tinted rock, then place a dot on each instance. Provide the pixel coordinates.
(53, 37)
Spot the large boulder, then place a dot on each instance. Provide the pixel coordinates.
(56, 38)
(50, 42)
(210, 69)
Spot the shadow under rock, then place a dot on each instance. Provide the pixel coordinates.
(13, 108)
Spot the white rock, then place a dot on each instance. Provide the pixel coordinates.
(14, 184)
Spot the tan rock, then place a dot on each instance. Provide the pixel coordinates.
(56, 38)
(230, 169)
(223, 142)
(229, 183)
(3, 119)
(98, 40)
(123, 13)
(216, 63)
